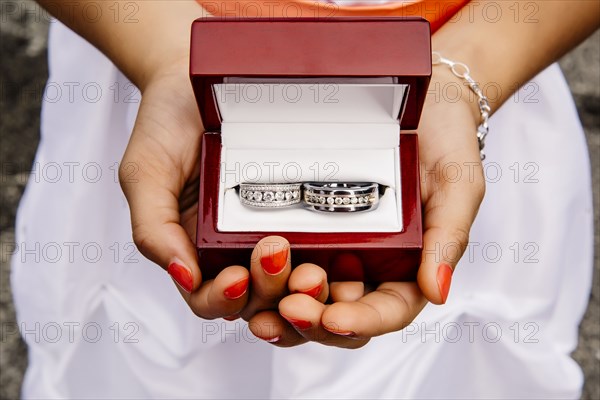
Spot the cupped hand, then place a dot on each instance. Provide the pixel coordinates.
(162, 193)
(164, 150)
(453, 187)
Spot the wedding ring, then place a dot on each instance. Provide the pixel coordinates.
(342, 197)
(270, 195)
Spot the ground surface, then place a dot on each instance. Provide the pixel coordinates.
(23, 74)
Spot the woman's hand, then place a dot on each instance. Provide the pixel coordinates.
(452, 182)
(163, 198)
(453, 187)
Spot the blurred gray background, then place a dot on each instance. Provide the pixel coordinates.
(23, 75)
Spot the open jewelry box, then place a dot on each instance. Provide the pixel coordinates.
(296, 100)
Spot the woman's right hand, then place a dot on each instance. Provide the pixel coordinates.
(162, 194)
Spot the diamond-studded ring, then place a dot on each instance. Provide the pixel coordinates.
(342, 197)
(270, 195)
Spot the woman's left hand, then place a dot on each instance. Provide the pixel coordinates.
(447, 137)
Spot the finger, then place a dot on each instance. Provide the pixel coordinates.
(157, 232)
(311, 280)
(270, 268)
(272, 328)
(390, 308)
(346, 291)
(224, 296)
(304, 314)
(448, 216)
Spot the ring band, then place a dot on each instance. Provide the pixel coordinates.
(270, 195)
(342, 197)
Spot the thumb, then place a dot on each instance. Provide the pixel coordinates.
(449, 214)
(157, 231)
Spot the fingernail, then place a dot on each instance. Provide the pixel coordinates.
(232, 317)
(274, 264)
(298, 323)
(444, 279)
(348, 334)
(271, 340)
(236, 290)
(182, 276)
(314, 292)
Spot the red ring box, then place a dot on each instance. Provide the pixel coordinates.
(242, 73)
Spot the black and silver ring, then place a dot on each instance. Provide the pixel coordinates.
(342, 197)
(270, 195)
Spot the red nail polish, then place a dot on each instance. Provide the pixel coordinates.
(271, 340)
(348, 334)
(236, 290)
(299, 323)
(275, 263)
(444, 279)
(232, 317)
(314, 292)
(182, 276)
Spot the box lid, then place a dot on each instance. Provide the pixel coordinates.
(334, 47)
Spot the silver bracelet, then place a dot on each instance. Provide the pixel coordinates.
(460, 70)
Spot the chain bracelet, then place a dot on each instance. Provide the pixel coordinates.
(462, 71)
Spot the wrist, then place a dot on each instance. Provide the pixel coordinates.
(172, 64)
(447, 88)
(468, 42)
(463, 72)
